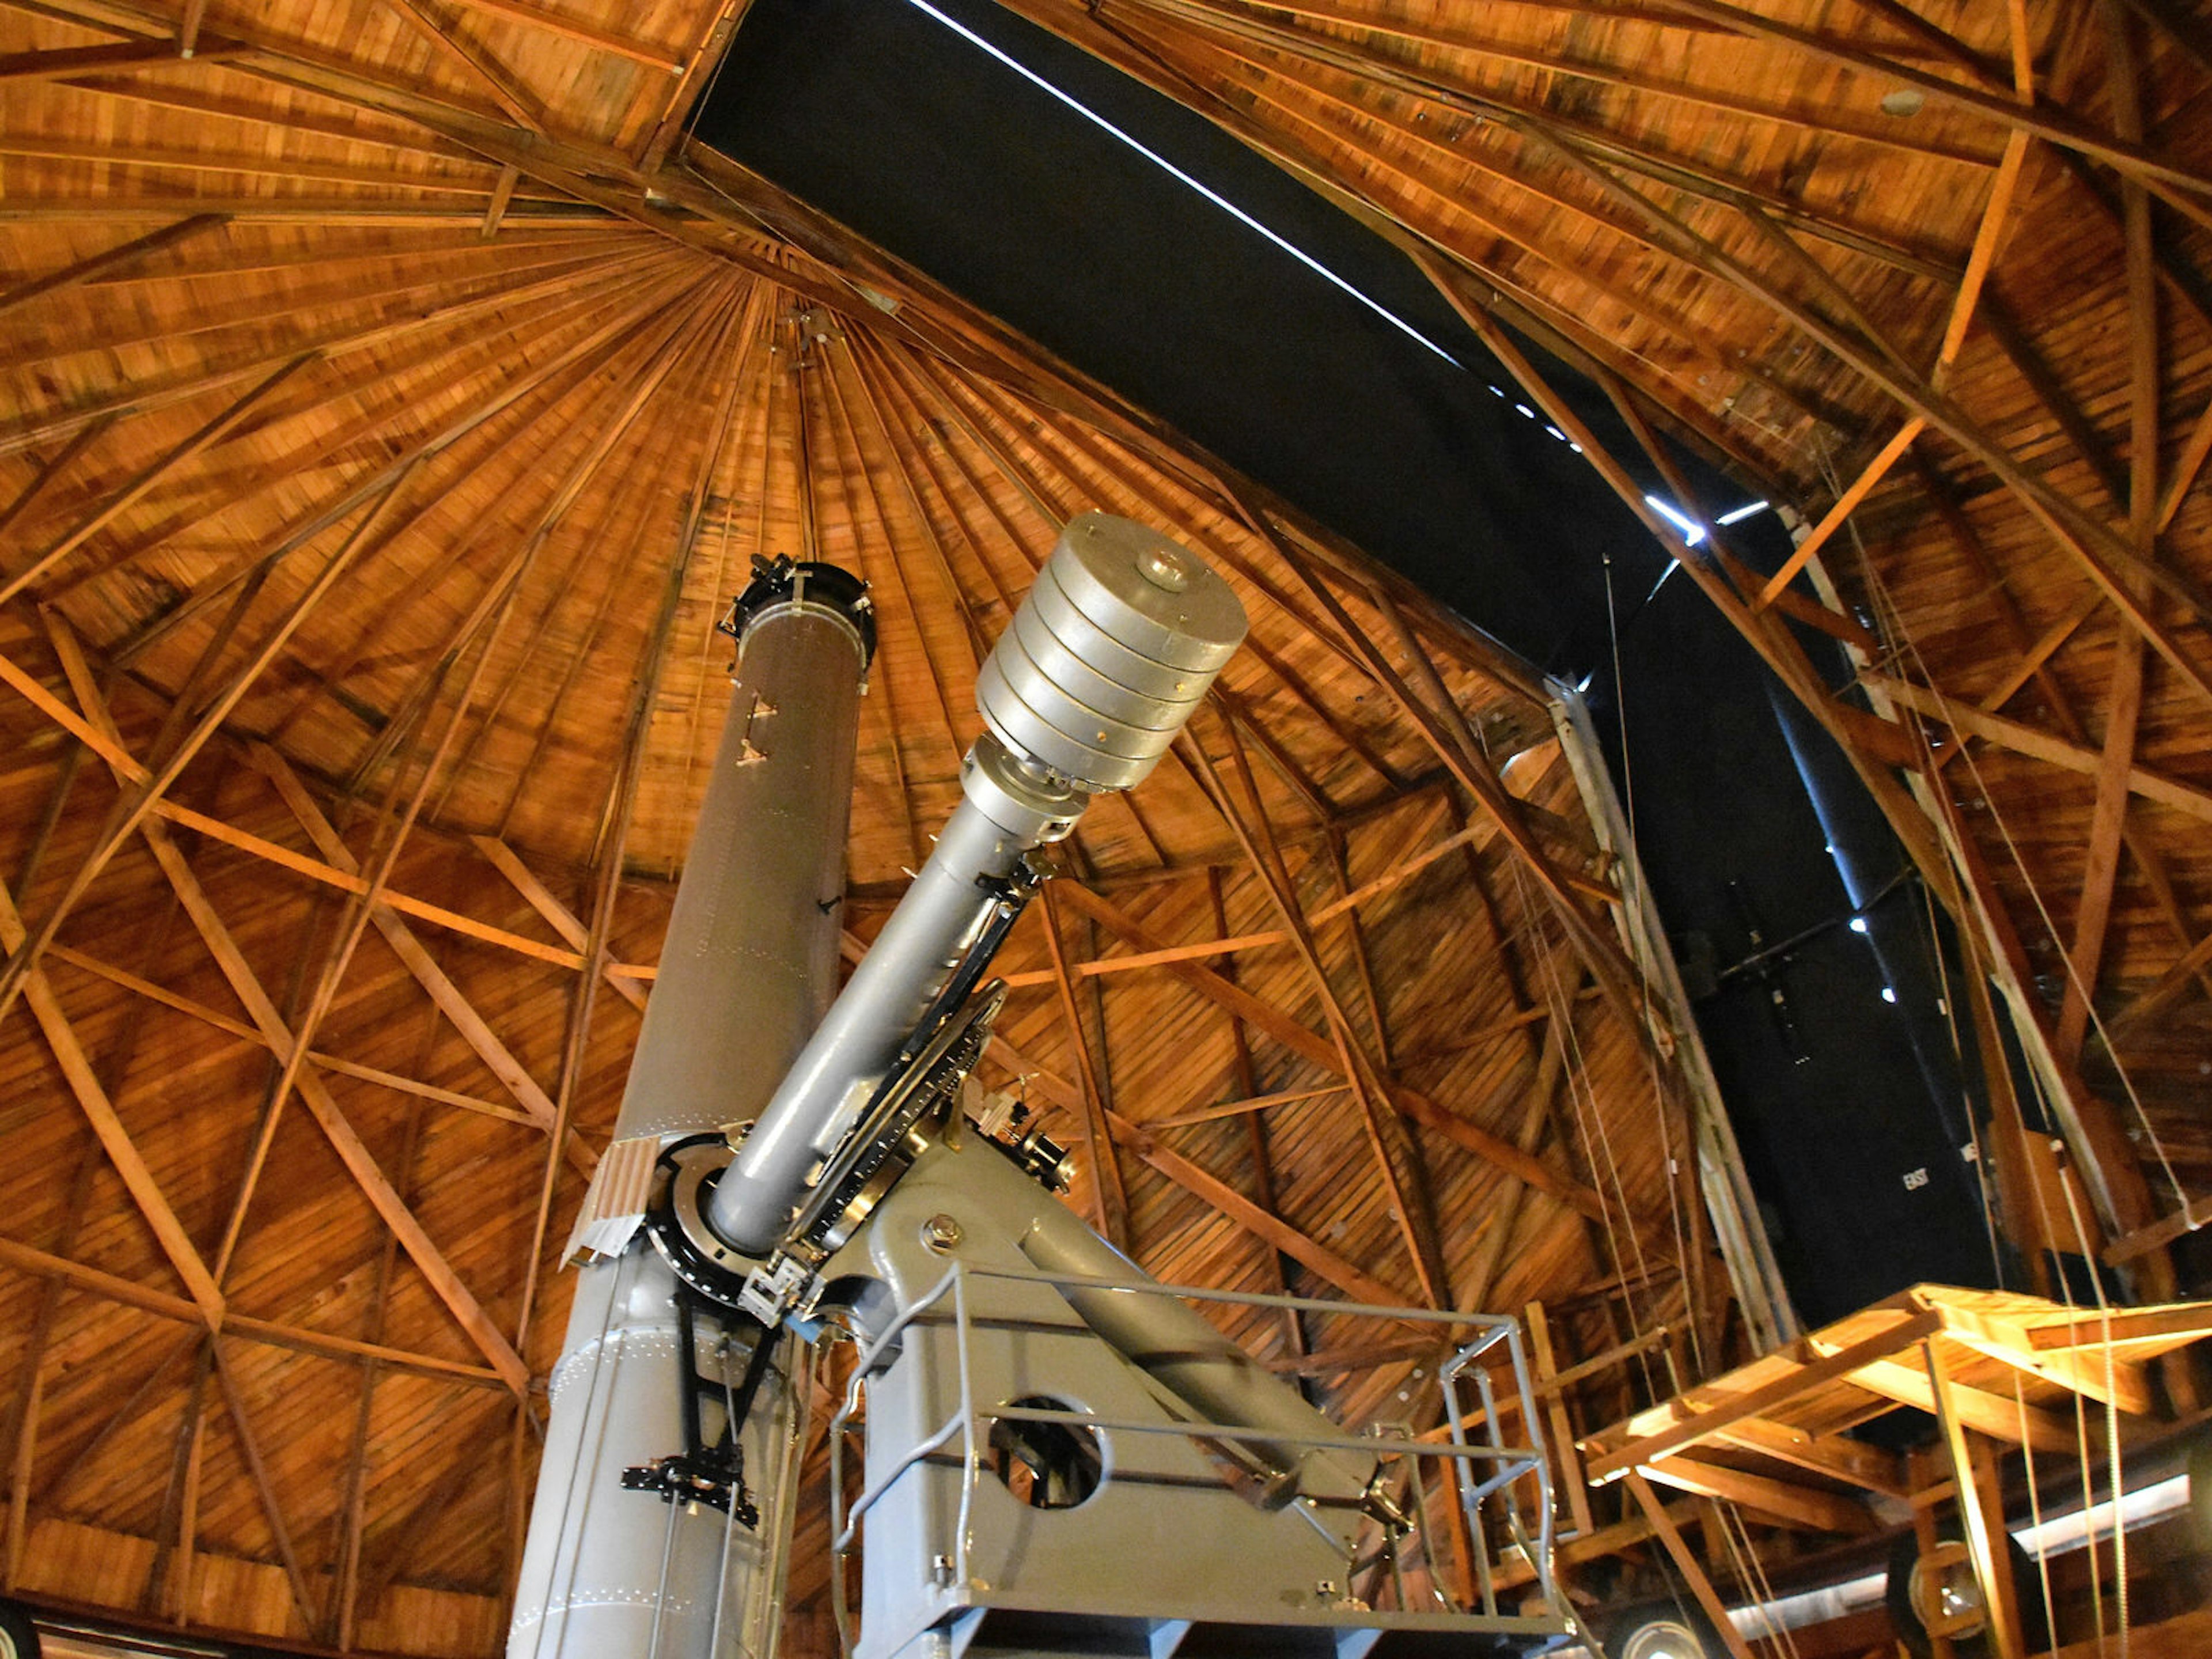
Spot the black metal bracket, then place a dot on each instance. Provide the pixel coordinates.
(783, 579)
(704, 1471)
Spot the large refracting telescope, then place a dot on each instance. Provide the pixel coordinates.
(1060, 1456)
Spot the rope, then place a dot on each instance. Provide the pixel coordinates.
(575, 1467)
(2034, 1505)
(1659, 1093)
(1732, 1528)
(1895, 625)
(1982, 1180)
(2112, 1450)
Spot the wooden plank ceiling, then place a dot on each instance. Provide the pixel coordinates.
(1931, 274)
(389, 401)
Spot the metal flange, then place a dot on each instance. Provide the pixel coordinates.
(676, 1220)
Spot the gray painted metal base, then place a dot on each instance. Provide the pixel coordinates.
(1152, 1544)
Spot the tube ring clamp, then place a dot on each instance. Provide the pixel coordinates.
(676, 1220)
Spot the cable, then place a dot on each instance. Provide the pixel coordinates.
(1633, 866)
(1895, 624)
(1551, 993)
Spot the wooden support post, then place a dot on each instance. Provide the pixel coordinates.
(1686, 1563)
(257, 1470)
(1988, 1546)
(168, 1581)
(1565, 1457)
(30, 1378)
(1928, 1538)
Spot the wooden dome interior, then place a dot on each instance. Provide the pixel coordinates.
(393, 397)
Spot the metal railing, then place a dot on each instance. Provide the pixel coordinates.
(1484, 1477)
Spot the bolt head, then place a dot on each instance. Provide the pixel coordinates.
(1164, 567)
(941, 1233)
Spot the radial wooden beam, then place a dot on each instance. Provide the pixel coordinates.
(1309, 1044)
(1529, 1136)
(1111, 1202)
(1405, 1189)
(1691, 174)
(114, 1137)
(614, 416)
(2042, 120)
(344, 1140)
(137, 398)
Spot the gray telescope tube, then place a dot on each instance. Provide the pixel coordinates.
(1108, 657)
(750, 963)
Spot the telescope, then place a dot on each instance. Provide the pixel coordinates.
(1062, 1456)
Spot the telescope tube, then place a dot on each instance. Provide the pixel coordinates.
(750, 959)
